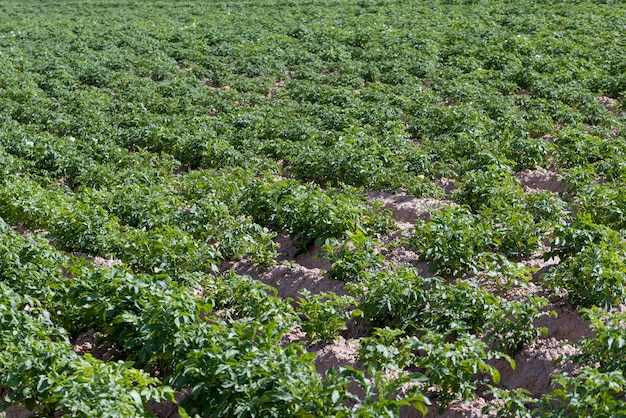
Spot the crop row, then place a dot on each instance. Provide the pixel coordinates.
(177, 139)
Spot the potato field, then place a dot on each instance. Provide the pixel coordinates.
(295, 208)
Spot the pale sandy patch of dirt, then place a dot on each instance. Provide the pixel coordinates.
(471, 409)
(542, 179)
(457, 409)
(536, 364)
(311, 259)
(448, 185)
(567, 325)
(399, 256)
(621, 308)
(25, 232)
(406, 209)
(339, 353)
(287, 249)
(609, 103)
(295, 335)
(521, 294)
(288, 279)
(99, 261)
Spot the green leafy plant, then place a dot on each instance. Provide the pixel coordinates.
(593, 277)
(452, 240)
(602, 350)
(309, 213)
(324, 314)
(385, 350)
(353, 257)
(513, 326)
(513, 231)
(510, 403)
(502, 273)
(487, 187)
(393, 300)
(41, 370)
(451, 367)
(181, 144)
(581, 233)
(591, 393)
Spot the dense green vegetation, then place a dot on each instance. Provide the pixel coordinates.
(176, 136)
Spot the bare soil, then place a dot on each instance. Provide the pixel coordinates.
(339, 353)
(542, 179)
(288, 278)
(609, 103)
(536, 364)
(407, 209)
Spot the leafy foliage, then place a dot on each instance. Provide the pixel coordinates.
(41, 370)
(450, 366)
(178, 141)
(602, 351)
(452, 240)
(590, 394)
(407, 301)
(352, 258)
(324, 314)
(593, 277)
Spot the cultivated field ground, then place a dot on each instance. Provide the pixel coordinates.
(327, 208)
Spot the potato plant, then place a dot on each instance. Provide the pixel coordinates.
(148, 152)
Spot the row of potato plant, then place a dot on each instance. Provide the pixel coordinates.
(176, 137)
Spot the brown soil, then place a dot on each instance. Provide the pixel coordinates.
(167, 409)
(25, 232)
(542, 266)
(458, 409)
(18, 411)
(536, 364)
(567, 326)
(406, 209)
(609, 103)
(538, 180)
(401, 256)
(448, 185)
(84, 343)
(99, 261)
(339, 353)
(288, 278)
(311, 259)
(296, 335)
